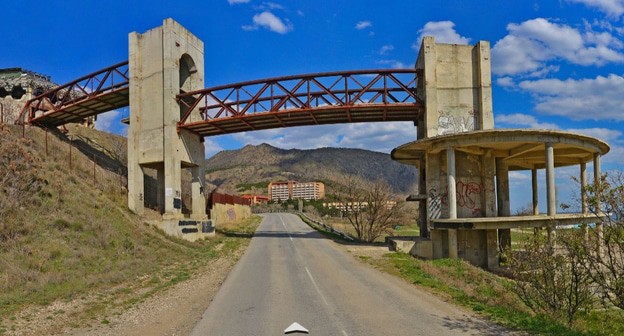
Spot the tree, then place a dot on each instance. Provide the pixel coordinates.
(606, 264)
(553, 283)
(369, 207)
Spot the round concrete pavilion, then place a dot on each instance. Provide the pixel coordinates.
(464, 194)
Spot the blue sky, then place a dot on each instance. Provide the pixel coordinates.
(556, 64)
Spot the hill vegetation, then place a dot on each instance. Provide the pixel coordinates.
(66, 233)
(255, 166)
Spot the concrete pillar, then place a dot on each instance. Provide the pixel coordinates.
(550, 180)
(598, 195)
(451, 183)
(136, 198)
(492, 249)
(452, 200)
(583, 178)
(550, 189)
(534, 191)
(452, 242)
(160, 179)
(488, 175)
(197, 193)
(422, 206)
(502, 198)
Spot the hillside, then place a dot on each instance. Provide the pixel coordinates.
(67, 235)
(238, 170)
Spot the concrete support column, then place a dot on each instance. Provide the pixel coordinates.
(160, 198)
(422, 206)
(598, 195)
(451, 183)
(452, 241)
(173, 188)
(550, 188)
(452, 200)
(197, 193)
(502, 200)
(534, 191)
(135, 188)
(551, 196)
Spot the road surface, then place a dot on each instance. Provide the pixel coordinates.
(291, 273)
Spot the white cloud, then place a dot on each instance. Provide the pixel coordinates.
(443, 31)
(605, 134)
(505, 82)
(211, 147)
(269, 21)
(105, 121)
(523, 120)
(386, 49)
(613, 8)
(381, 137)
(363, 25)
(531, 44)
(600, 98)
(234, 2)
(394, 64)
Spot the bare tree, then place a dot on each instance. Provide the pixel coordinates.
(553, 283)
(606, 264)
(369, 207)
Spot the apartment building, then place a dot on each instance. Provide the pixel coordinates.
(281, 191)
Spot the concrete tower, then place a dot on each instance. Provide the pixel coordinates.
(164, 62)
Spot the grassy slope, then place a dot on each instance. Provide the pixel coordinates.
(76, 238)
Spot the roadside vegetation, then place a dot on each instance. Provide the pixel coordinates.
(66, 235)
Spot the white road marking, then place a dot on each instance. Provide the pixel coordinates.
(285, 228)
(345, 333)
(316, 286)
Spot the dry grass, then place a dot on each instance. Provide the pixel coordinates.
(79, 241)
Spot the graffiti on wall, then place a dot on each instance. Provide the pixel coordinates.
(231, 215)
(452, 123)
(468, 196)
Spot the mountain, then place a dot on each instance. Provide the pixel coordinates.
(239, 170)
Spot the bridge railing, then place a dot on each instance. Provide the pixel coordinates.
(108, 80)
(322, 90)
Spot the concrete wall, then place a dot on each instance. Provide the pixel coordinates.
(228, 213)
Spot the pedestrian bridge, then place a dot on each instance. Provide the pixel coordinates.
(299, 100)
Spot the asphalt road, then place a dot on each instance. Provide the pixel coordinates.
(291, 273)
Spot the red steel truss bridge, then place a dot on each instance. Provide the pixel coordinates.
(313, 99)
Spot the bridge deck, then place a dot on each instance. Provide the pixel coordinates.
(83, 108)
(304, 117)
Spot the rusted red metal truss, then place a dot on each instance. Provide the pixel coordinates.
(314, 99)
(96, 93)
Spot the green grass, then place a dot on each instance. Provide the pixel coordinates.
(491, 296)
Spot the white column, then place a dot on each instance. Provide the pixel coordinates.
(583, 178)
(550, 188)
(550, 180)
(534, 191)
(451, 183)
(452, 200)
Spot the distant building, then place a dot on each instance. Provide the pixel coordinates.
(256, 199)
(281, 191)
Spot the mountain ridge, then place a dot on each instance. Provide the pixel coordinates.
(257, 164)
